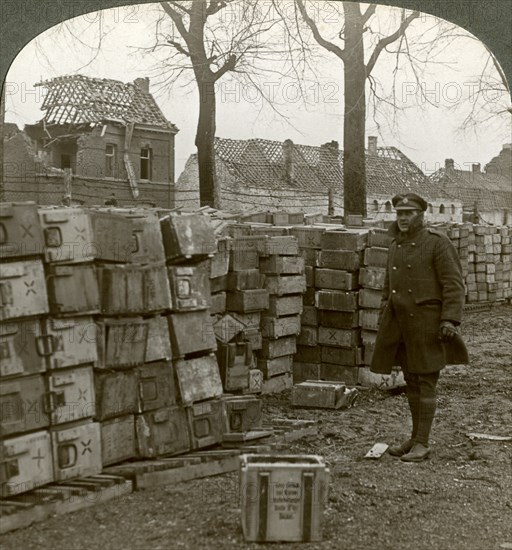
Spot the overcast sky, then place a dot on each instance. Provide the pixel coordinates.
(427, 133)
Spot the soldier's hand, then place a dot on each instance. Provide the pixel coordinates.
(447, 331)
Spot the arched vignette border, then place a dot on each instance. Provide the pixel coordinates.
(490, 21)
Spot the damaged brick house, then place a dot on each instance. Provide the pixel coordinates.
(270, 175)
(486, 195)
(98, 137)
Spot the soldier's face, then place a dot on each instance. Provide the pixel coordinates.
(404, 218)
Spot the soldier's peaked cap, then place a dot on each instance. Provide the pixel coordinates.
(409, 201)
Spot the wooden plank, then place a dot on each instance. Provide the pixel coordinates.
(196, 471)
(41, 512)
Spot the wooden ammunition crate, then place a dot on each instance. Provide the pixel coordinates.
(342, 356)
(282, 497)
(278, 245)
(376, 256)
(20, 230)
(308, 336)
(282, 265)
(198, 379)
(318, 393)
(379, 238)
(70, 395)
(23, 348)
(338, 319)
(25, 463)
(308, 237)
(219, 264)
(117, 393)
(247, 300)
(218, 303)
(206, 423)
(158, 346)
(76, 450)
(285, 284)
(190, 287)
(244, 253)
(162, 432)
(339, 337)
(247, 279)
(121, 342)
(372, 277)
(73, 289)
(22, 405)
(22, 289)
(156, 386)
(336, 300)
(277, 348)
(277, 384)
(343, 373)
(308, 354)
(187, 236)
(305, 371)
(118, 441)
(70, 341)
(147, 244)
(235, 360)
(369, 318)
(272, 327)
(133, 289)
(280, 306)
(335, 279)
(346, 260)
(242, 413)
(344, 240)
(309, 316)
(191, 332)
(276, 366)
(370, 298)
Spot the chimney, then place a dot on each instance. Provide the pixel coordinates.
(329, 152)
(372, 145)
(507, 146)
(142, 84)
(449, 164)
(288, 160)
(475, 168)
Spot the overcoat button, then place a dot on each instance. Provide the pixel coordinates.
(413, 244)
(394, 268)
(393, 291)
(399, 246)
(409, 266)
(411, 314)
(409, 291)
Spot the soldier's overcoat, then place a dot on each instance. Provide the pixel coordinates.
(424, 286)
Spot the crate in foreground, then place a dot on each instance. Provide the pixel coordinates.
(283, 497)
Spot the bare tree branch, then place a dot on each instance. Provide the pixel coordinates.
(329, 46)
(389, 40)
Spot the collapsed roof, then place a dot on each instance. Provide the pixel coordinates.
(78, 99)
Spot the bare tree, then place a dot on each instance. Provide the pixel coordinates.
(210, 38)
(356, 72)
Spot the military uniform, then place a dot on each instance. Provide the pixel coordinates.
(423, 298)
(423, 287)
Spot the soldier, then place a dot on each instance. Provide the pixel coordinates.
(423, 298)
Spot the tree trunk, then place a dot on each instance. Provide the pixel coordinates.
(354, 166)
(209, 194)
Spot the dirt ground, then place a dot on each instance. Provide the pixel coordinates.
(459, 499)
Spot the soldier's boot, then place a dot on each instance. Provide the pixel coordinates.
(420, 450)
(413, 398)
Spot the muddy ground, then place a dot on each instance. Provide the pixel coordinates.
(459, 499)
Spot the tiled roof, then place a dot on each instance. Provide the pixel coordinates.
(261, 163)
(488, 190)
(78, 99)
